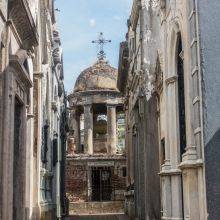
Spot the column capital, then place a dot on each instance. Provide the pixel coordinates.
(111, 105)
(87, 104)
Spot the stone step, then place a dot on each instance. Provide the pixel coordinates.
(96, 208)
(98, 217)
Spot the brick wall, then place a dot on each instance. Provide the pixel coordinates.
(76, 182)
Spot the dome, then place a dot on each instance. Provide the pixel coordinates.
(100, 76)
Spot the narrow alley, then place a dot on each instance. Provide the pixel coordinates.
(109, 110)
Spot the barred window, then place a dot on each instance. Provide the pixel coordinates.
(44, 147)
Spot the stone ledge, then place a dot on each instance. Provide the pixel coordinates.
(95, 157)
(193, 164)
(170, 172)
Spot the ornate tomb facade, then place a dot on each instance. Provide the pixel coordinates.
(96, 164)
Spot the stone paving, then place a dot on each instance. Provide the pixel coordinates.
(99, 217)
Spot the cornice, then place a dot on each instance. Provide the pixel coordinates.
(20, 14)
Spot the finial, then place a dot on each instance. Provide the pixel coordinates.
(101, 42)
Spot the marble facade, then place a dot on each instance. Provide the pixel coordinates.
(32, 109)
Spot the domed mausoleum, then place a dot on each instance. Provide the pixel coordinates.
(96, 101)
(100, 76)
(96, 164)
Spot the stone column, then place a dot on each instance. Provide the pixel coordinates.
(111, 128)
(75, 125)
(88, 129)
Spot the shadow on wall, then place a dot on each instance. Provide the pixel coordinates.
(212, 161)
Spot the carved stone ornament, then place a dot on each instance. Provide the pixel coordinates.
(162, 4)
(150, 4)
(56, 47)
(159, 76)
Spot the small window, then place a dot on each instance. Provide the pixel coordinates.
(25, 64)
(162, 144)
(124, 171)
(82, 148)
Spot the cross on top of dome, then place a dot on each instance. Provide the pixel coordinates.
(101, 42)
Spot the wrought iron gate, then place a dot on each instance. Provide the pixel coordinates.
(101, 184)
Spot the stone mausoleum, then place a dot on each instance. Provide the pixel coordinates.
(96, 163)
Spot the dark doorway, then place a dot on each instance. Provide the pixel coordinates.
(17, 161)
(101, 184)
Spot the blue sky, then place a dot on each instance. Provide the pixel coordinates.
(79, 22)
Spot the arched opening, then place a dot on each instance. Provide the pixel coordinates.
(181, 104)
(181, 96)
(100, 128)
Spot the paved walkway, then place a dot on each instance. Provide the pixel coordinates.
(99, 217)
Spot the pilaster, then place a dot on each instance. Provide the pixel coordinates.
(171, 174)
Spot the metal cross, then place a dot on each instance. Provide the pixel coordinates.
(101, 41)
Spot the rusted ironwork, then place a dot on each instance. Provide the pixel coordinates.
(101, 42)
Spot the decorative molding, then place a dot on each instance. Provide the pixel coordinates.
(30, 116)
(38, 75)
(162, 4)
(197, 130)
(194, 41)
(171, 79)
(181, 55)
(54, 106)
(171, 172)
(159, 75)
(195, 100)
(195, 70)
(57, 51)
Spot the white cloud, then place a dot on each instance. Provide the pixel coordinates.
(92, 22)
